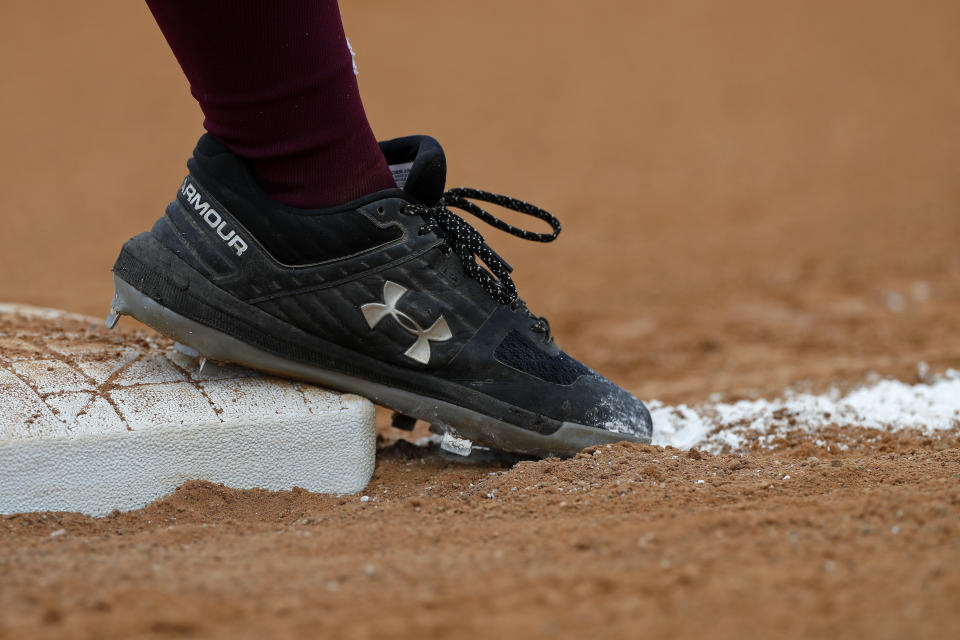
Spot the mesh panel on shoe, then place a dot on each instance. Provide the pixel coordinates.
(516, 351)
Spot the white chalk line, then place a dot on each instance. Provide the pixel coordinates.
(887, 405)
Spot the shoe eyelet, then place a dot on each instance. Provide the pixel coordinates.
(380, 210)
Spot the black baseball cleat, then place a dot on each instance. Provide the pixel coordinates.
(382, 297)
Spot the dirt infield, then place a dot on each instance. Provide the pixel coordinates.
(755, 196)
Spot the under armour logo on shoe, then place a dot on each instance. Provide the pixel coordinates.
(374, 312)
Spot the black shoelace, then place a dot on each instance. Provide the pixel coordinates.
(468, 244)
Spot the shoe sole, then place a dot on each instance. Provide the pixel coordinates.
(567, 440)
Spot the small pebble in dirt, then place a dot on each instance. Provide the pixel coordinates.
(895, 301)
(364, 498)
(57, 533)
(920, 290)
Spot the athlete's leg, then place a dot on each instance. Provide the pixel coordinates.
(276, 85)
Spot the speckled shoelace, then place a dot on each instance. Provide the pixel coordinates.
(469, 245)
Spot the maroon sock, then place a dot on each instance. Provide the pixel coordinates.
(276, 85)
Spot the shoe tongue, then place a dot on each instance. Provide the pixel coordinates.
(418, 165)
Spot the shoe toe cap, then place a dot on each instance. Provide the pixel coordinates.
(617, 410)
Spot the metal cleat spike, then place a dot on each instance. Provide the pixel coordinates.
(112, 318)
(456, 444)
(188, 351)
(210, 368)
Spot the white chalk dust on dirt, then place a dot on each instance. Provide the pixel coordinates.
(928, 407)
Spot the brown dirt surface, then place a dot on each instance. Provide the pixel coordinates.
(755, 196)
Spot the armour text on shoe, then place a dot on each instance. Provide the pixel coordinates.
(211, 217)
